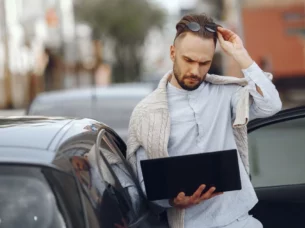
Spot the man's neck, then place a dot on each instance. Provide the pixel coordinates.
(173, 81)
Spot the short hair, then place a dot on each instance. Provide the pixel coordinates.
(202, 20)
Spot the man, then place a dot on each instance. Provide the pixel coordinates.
(188, 115)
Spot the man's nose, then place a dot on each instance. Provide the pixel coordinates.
(195, 70)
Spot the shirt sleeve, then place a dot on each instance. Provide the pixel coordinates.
(141, 155)
(261, 106)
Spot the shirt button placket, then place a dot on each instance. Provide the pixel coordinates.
(191, 104)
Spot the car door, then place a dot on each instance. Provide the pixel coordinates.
(102, 194)
(277, 164)
(71, 158)
(139, 212)
(38, 196)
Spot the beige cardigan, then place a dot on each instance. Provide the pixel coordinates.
(150, 128)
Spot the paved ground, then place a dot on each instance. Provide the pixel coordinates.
(13, 112)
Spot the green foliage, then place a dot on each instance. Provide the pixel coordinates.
(127, 23)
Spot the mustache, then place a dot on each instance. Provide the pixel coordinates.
(192, 77)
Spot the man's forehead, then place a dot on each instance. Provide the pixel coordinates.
(196, 48)
(202, 57)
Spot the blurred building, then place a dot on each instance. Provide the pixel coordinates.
(275, 36)
(271, 3)
(157, 49)
(215, 8)
(37, 40)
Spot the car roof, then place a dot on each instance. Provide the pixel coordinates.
(36, 140)
(30, 132)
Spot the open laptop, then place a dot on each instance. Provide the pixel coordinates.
(165, 178)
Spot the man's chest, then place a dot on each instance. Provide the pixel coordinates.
(194, 110)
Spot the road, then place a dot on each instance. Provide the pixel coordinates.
(13, 112)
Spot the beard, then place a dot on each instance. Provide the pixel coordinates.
(182, 79)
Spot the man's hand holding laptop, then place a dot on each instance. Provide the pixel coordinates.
(182, 201)
(218, 170)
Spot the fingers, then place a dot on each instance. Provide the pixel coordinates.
(219, 28)
(180, 198)
(208, 194)
(220, 38)
(195, 198)
(226, 33)
(181, 201)
(199, 191)
(185, 201)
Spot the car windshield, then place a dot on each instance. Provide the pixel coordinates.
(27, 201)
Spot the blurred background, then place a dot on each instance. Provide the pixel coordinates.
(54, 49)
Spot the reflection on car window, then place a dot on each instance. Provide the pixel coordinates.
(119, 180)
(91, 184)
(277, 154)
(65, 186)
(26, 200)
(112, 156)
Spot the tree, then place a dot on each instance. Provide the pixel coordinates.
(127, 23)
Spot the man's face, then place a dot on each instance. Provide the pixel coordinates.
(192, 57)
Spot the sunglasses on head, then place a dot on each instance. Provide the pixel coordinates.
(195, 27)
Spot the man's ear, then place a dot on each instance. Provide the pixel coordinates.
(172, 52)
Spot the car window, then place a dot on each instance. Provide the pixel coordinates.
(104, 203)
(29, 199)
(65, 188)
(277, 154)
(90, 183)
(118, 178)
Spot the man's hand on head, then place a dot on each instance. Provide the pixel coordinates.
(232, 44)
(182, 201)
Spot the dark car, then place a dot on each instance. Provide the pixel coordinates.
(55, 153)
(52, 176)
(277, 163)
